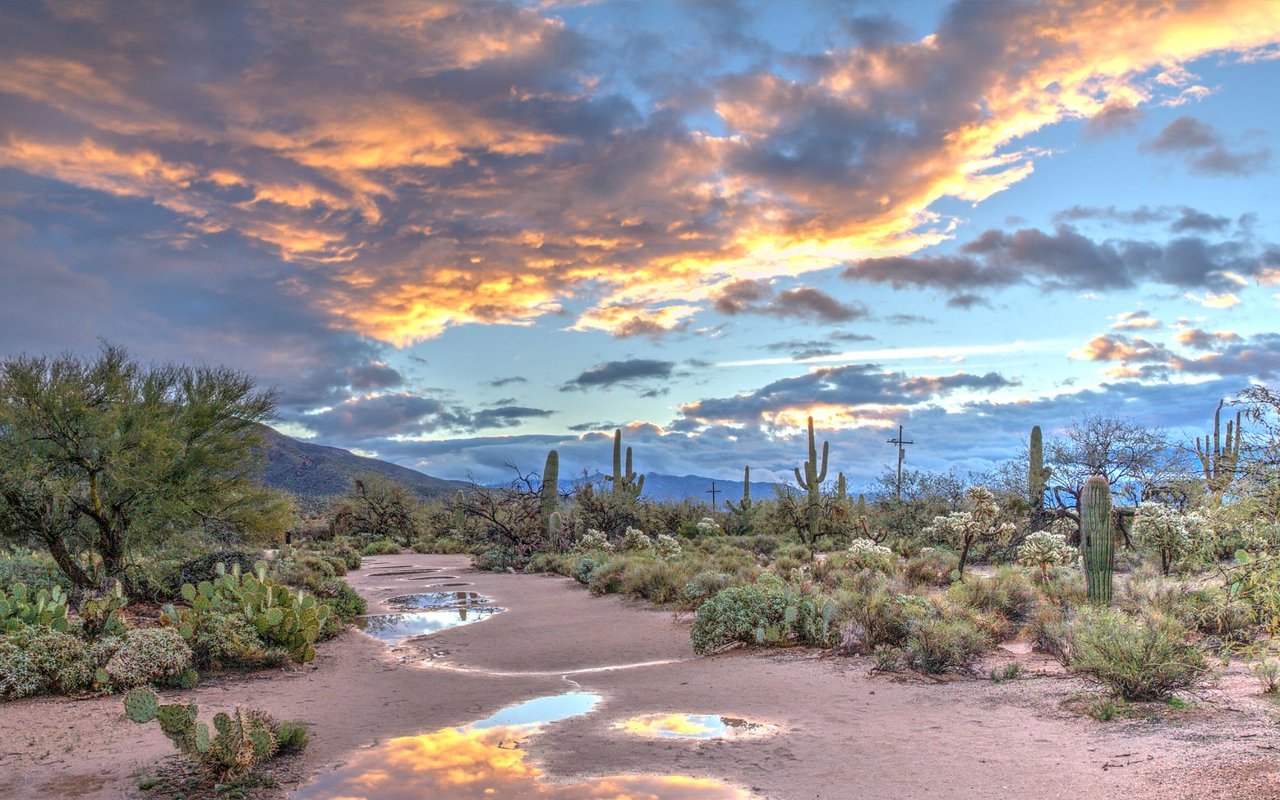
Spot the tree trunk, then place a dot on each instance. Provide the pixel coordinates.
(67, 562)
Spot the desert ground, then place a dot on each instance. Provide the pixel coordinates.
(842, 731)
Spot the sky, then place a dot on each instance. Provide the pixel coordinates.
(455, 235)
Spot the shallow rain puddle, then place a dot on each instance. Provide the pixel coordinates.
(486, 760)
(439, 600)
(695, 726)
(395, 628)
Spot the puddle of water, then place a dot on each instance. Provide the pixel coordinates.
(423, 571)
(395, 628)
(423, 600)
(695, 726)
(486, 759)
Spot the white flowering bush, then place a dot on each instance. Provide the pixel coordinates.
(866, 554)
(1042, 550)
(709, 527)
(636, 539)
(667, 546)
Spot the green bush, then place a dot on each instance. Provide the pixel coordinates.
(344, 602)
(703, 585)
(1009, 592)
(944, 644)
(930, 567)
(876, 619)
(381, 547)
(735, 614)
(1137, 659)
(148, 655)
(229, 641)
(583, 567)
(655, 580)
(36, 570)
(291, 737)
(606, 577)
(206, 567)
(1052, 633)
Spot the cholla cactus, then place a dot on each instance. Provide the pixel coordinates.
(963, 528)
(1173, 535)
(667, 546)
(709, 527)
(594, 540)
(866, 554)
(636, 539)
(1043, 550)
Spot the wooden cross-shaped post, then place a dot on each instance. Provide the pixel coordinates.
(713, 491)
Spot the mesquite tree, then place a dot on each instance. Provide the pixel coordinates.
(100, 457)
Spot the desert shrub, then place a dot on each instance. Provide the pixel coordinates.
(1267, 671)
(732, 615)
(704, 585)
(381, 547)
(228, 641)
(1051, 632)
(761, 545)
(942, 644)
(930, 567)
(654, 580)
(866, 554)
(583, 567)
(344, 602)
(1064, 588)
(606, 577)
(667, 547)
(1149, 658)
(876, 619)
(635, 540)
(39, 660)
(1009, 592)
(888, 659)
(148, 655)
(1215, 613)
(291, 737)
(795, 551)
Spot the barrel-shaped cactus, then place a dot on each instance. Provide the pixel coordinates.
(1097, 544)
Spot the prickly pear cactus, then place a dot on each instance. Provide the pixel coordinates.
(141, 705)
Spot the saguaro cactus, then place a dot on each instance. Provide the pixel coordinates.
(1219, 459)
(1037, 472)
(550, 490)
(742, 509)
(625, 482)
(1096, 541)
(811, 480)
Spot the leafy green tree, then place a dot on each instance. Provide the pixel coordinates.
(101, 458)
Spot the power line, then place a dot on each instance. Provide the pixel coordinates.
(902, 454)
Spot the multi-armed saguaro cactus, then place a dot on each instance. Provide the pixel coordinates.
(1037, 472)
(742, 509)
(1219, 459)
(811, 480)
(550, 490)
(1096, 542)
(625, 482)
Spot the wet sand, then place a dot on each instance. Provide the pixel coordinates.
(844, 733)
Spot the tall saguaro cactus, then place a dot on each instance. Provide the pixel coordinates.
(550, 489)
(742, 509)
(625, 482)
(1037, 472)
(1096, 541)
(1220, 458)
(811, 480)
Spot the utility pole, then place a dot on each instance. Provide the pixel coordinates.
(901, 455)
(713, 491)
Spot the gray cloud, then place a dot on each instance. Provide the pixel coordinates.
(1068, 260)
(1204, 148)
(757, 297)
(613, 373)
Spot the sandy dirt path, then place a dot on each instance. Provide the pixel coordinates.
(845, 734)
